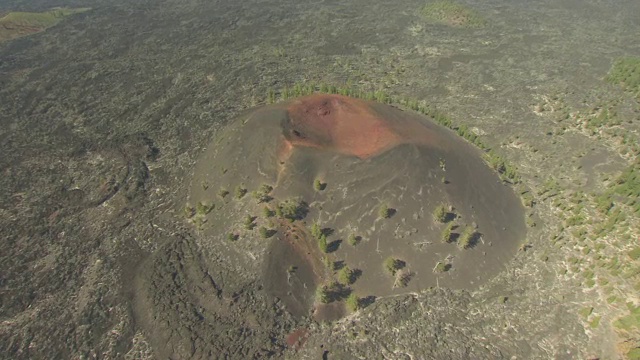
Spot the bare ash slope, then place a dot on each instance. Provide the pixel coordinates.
(103, 116)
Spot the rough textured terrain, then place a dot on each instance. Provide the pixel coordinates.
(103, 118)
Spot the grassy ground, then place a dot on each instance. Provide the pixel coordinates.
(16, 24)
(451, 13)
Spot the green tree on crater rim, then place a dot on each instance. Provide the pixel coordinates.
(352, 302)
(322, 294)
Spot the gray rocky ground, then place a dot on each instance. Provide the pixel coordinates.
(103, 116)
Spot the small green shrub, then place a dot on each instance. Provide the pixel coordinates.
(392, 265)
(466, 238)
(319, 185)
(447, 233)
(240, 191)
(248, 222)
(223, 193)
(440, 213)
(384, 212)
(203, 209)
(262, 195)
(352, 240)
(267, 212)
(440, 267)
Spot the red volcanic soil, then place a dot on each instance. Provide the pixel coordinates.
(348, 126)
(297, 338)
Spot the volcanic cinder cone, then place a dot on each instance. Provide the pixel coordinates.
(366, 155)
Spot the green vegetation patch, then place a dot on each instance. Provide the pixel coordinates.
(16, 24)
(626, 73)
(453, 14)
(630, 322)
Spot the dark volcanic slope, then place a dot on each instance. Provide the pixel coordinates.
(367, 154)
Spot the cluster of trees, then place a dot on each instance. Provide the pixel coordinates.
(310, 88)
(292, 209)
(626, 73)
(336, 291)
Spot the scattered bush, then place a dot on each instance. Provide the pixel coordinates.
(223, 193)
(240, 192)
(267, 212)
(392, 265)
(189, 211)
(466, 238)
(440, 213)
(232, 237)
(352, 240)
(248, 222)
(384, 212)
(402, 278)
(447, 233)
(319, 185)
(322, 294)
(203, 209)
(441, 267)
